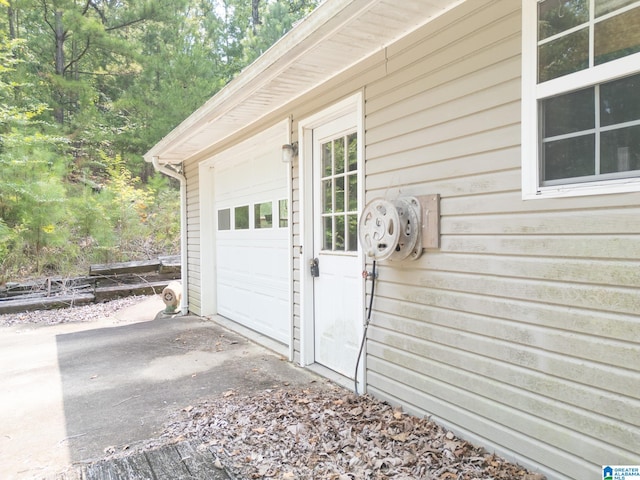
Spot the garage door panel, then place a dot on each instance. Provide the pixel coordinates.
(252, 264)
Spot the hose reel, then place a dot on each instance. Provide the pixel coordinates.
(391, 230)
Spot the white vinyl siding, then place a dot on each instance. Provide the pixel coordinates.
(193, 237)
(521, 331)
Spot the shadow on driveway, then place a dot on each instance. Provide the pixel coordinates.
(120, 384)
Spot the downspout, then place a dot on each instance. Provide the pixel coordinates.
(183, 229)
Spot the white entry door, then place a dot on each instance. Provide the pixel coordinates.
(338, 288)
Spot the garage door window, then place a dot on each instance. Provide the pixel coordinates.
(224, 219)
(283, 213)
(241, 217)
(263, 215)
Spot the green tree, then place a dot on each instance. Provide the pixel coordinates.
(86, 87)
(275, 19)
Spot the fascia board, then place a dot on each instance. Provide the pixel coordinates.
(320, 24)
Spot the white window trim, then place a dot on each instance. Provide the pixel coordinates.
(533, 92)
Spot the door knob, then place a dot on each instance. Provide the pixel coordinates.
(314, 268)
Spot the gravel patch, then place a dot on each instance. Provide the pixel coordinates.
(84, 313)
(330, 433)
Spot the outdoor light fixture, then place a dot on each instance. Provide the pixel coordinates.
(289, 151)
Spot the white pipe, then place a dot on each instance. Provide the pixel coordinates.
(183, 229)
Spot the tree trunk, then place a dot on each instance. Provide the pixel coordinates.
(255, 14)
(59, 33)
(12, 22)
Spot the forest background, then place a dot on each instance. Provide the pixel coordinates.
(86, 88)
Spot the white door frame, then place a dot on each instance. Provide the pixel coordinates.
(351, 104)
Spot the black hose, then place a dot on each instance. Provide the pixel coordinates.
(366, 325)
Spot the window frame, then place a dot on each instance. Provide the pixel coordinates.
(532, 94)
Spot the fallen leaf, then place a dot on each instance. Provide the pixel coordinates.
(401, 437)
(448, 475)
(325, 432)
(356, 411)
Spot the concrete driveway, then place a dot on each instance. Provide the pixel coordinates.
(70, 391)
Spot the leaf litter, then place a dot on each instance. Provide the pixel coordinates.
(330, 433)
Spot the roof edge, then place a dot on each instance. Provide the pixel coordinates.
(309, 31)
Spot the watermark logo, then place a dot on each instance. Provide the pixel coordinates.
(621, 472)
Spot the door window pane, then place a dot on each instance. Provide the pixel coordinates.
(241, 220)
(263, 215)
(327, 159)
(352, 233)
(340, 193)
(327, 196)
(224, 219)
(339, 234)
(327, 233)
(352, 148)
(617, 37)
(353, 193)
(338, 155)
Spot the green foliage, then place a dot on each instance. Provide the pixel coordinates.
(277, 19)
(86, 88)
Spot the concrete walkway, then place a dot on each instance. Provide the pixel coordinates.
(71, 391)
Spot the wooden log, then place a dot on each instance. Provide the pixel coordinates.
(117, 291)
(135, 467)
(166, 464)
(170, 264)
(142, 266)
(50, 286)
(201, 463)
(70, 292)
(45, 303)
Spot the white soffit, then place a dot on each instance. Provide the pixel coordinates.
(334, 37)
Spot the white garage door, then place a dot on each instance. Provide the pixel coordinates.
(252, 234)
